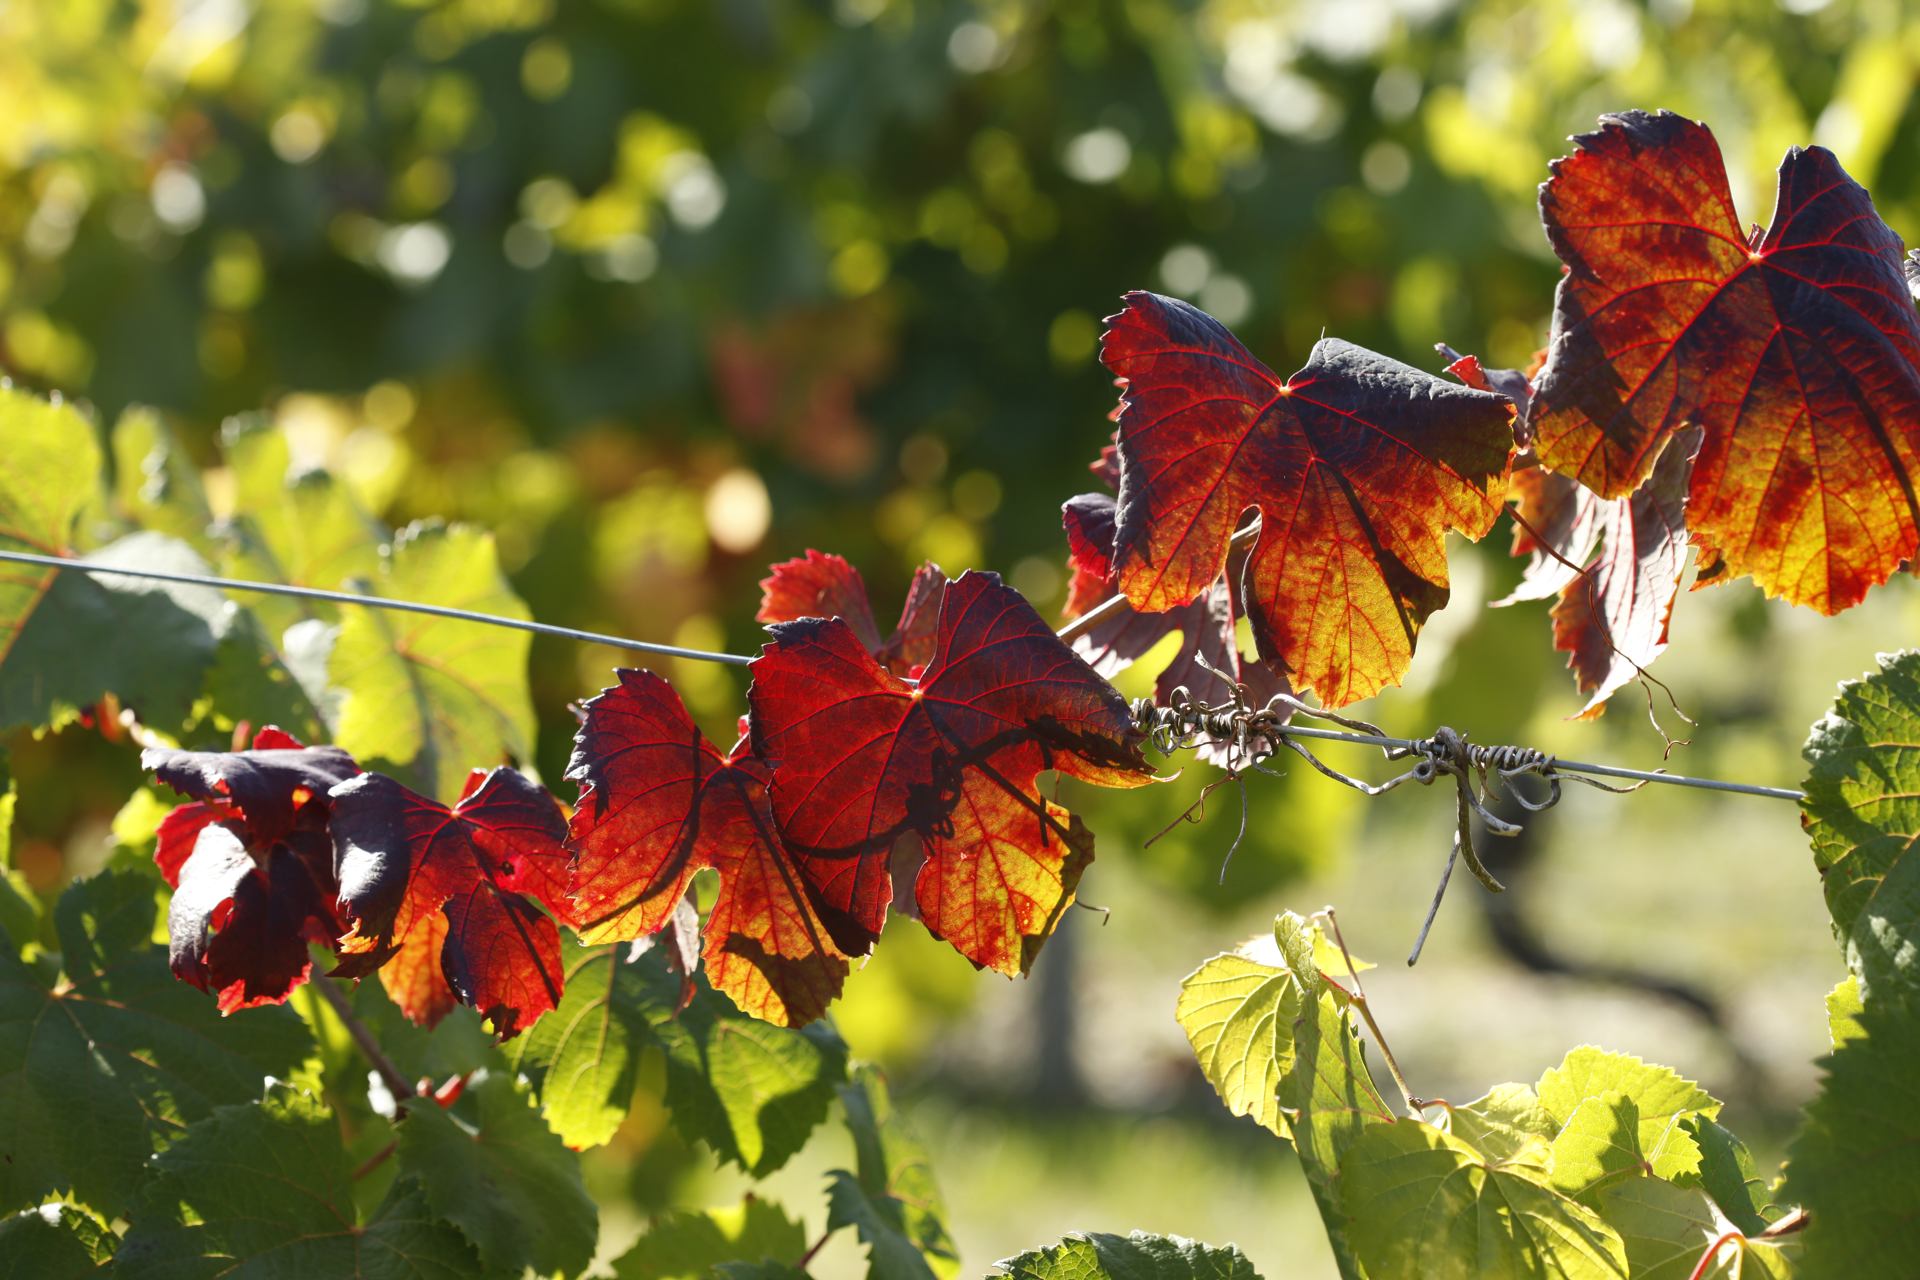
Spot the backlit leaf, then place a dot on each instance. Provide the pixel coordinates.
(751, 1091)
(657, 804)
(1665, 1228)
(298, 527)
(1328, 1096)
(403, 858)
(1238, 1014)
(689, 1245)
(1797, 351)
(584, 1057)
(1138, 1256)
(861, 757)
(1358, 465)
(1659, 1095)
(429, 698)
(1612, 620)
(1421, 1202)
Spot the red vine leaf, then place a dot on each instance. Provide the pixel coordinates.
(243, 913)
(820, 585)
(996, 884)
(861, 757)
(1206, 626)
(414, 978)
(1612, 620)
(1358, 465)
(1797, 351)
(1566, 516)
(404, 858)
(657, 803)
(265, 786)
(250, 865)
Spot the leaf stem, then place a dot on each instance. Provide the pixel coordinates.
(397, 1084)
(1358, 999)
(1705, 1264)
(375, 1160)
(815, 1247)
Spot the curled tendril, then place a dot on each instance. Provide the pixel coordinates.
(1251, 735)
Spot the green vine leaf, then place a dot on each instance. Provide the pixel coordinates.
(584, 1056)
(1508, 1124)
(687, 1245)
(427, 698)
(266, 1191)
(1855, 1165)
(891, 1199)
(1328, 1095)
(118, 1041)
(1139, 1256)
(752, 1091)
(493, 1169)
(155, 484)
(1421, 1202)
(1728, 1175)
(1599, 1143)
(1238, 1014)
(1862, 806)
(54, 1242)
(1659, 1095)
(1665, 1228)
(303, 529)
(1843, 1011)
(1883, 948)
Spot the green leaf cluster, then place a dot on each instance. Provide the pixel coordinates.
(423, 698)
(1606, 1166)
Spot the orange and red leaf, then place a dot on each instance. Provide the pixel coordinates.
(657, 804)
(1357, 464)
(1797, 351)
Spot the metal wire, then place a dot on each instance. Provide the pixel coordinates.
(1362, 737)
(379, 602)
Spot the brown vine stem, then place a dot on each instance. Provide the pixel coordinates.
(375, 1160)
(1357, 998)
(397, 1084)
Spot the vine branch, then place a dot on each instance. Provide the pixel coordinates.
(397, 1084)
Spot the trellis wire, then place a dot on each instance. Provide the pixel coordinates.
(380, 602)
(741, 660)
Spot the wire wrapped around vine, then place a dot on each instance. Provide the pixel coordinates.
(1253, 734)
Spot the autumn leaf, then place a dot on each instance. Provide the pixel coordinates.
(861, 757)
(1612, 620)
(1207, 626)
(404, 859)
(819, 585)
(658, 802)
(1797, 351)
(250, 864)
(1357, 464)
